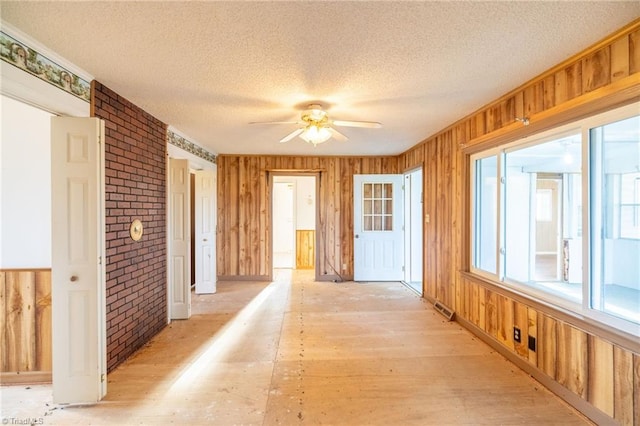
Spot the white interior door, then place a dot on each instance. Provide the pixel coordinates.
(78, 278)
(378, 234)
(179, 270)
(205, 231)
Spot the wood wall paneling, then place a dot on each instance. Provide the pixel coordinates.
(547, 343)
(244, 216)
(634, 53)
(568, 83)
(572, 359)
(533, 99)
(491, 313)
(43, 322)
(505, 321)
(532, 321)
(25, 312)
(620, 59)
(305, 249)
(600, 374)
(3, 323)
(623, 386)
(596, 69)
(600, 77)
(521, 320)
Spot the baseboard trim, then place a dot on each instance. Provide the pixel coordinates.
(565, 394)
(25, 378)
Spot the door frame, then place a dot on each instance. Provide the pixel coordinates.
(270, 183)
(294, 212)
(409, 205)
(193, 164)
(27, 89)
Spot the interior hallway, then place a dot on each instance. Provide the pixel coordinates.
(297, 351)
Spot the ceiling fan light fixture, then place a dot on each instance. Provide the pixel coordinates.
(315, 134)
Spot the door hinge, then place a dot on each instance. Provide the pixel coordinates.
(99, 260)
(403, 269)
(102, 377)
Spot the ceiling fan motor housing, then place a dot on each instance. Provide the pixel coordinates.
(314, 114)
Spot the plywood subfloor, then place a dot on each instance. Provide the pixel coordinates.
(300, 352)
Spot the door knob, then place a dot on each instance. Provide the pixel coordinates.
(357, 236)
(204, 239)
(73, 278)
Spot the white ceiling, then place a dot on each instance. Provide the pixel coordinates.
(209, 68)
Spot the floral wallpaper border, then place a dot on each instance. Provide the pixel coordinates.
(190, 147)
(24, 57)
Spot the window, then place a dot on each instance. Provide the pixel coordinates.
(377, 212)
(486, 214)
(533, 200)
(614, 150)
(539, 247)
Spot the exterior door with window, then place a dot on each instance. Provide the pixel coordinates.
(377, 228)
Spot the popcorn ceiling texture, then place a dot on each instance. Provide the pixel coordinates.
(209, 68)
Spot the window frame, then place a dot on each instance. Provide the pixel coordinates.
(583, 309)
(494, 152)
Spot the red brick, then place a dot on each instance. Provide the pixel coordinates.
(135, 169)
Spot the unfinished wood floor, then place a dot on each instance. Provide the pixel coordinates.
(297, 351)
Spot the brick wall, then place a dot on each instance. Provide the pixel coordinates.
(135, 170)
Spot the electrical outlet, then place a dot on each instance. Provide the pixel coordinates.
(532, 343)
(516, 334)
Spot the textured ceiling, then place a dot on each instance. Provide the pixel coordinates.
(210, 68)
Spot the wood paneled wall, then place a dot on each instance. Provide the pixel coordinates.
(598, 370)
(604, 374)
(601, 372)
(244, 211)
(305, 249)
(25, 324)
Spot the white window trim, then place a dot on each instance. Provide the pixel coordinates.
(582, 309)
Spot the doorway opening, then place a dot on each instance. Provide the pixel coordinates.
(192, 218)
(293, 220)
(548, 228)
(413, 235)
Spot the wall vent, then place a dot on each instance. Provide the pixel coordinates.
(445, 311)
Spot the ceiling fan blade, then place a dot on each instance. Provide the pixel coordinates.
(291, 135)
(367, 124)
(337, 135)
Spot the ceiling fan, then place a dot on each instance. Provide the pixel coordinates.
(316, 126)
